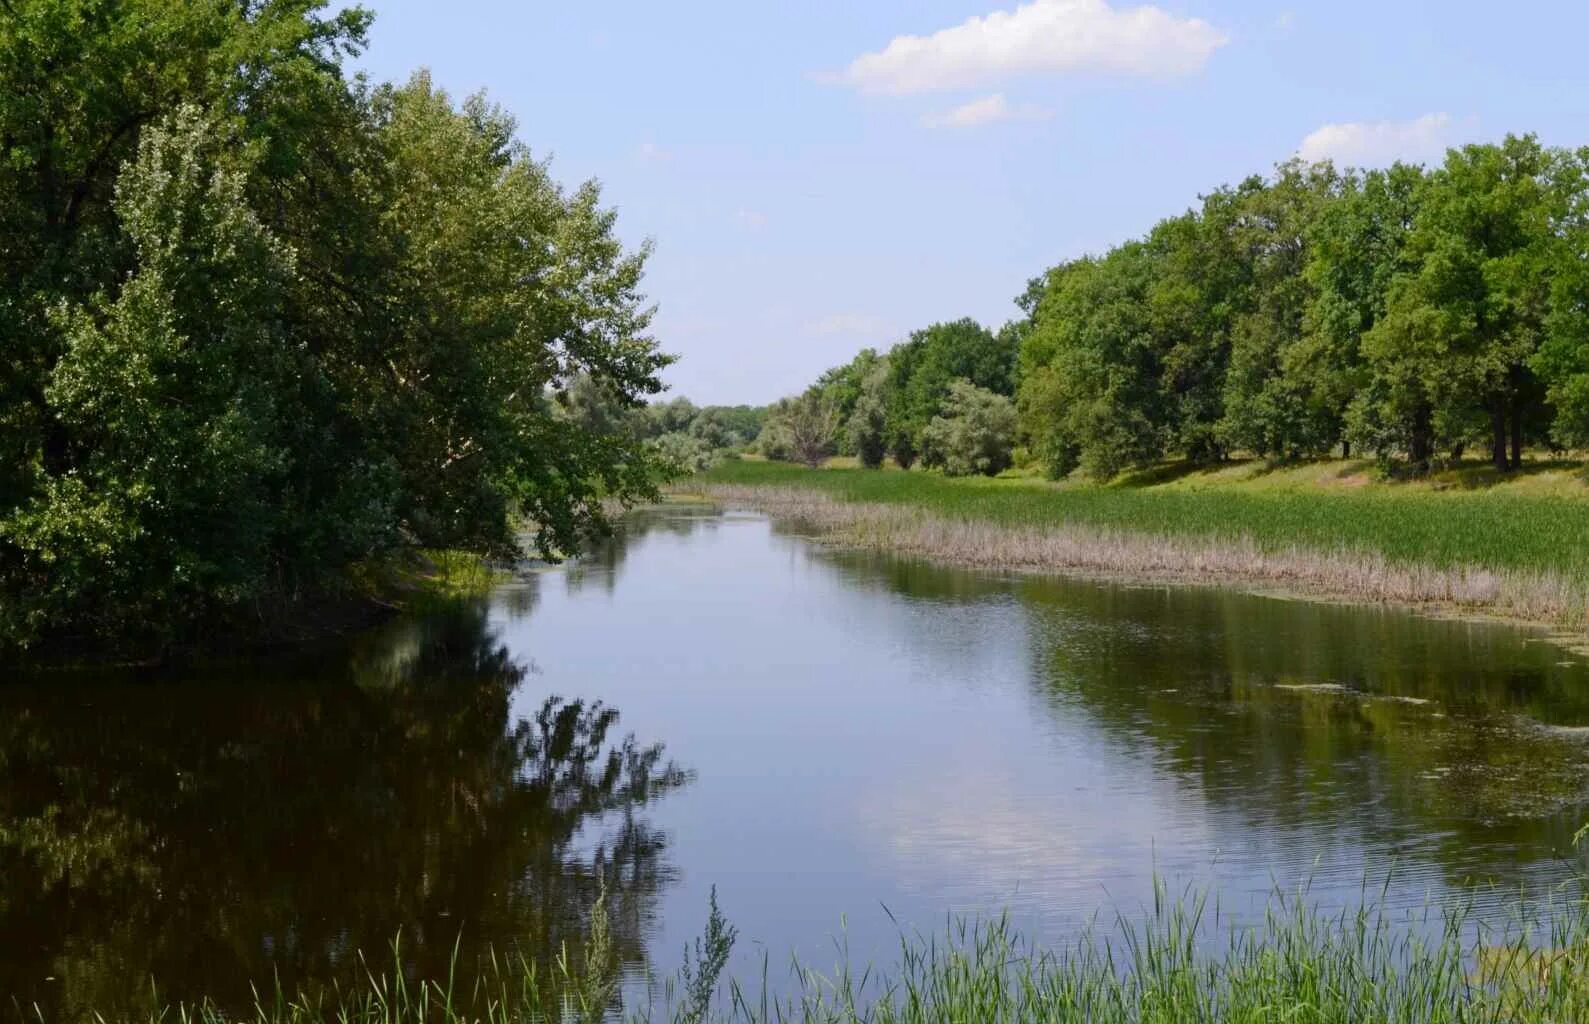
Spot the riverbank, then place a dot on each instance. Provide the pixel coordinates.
(361, 597)
(1514, 551)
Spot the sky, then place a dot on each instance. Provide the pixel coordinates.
(826, 175)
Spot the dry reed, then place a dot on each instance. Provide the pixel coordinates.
(1541, 598)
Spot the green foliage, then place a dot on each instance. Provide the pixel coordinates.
(973, 435)
(921, 369)
(265, 322)
(1454, 350)
(1091, 390)
(1357, 248)
(1268, 407)
(803, 429)
(842, 387)
(1413, 313)
(867, 430)
(681, 454)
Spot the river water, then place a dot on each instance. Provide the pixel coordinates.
(844, 745)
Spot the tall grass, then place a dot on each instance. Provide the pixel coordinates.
(1167, 966)
(1490, 528)
(1476, 553)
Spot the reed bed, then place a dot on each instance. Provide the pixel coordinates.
(991, 533)
(1510, 525)
(1177, 963)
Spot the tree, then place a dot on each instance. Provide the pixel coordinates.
(803, 429)
(173, 395)
(476, 346)
(921, 369)
(1456, 348)
(1093, 367)
(974, 434)
(867, 428)
(1357, 248)
(307, 323)
(80, 81)
(681, 454)
(1562, 361)
(841, 388)
(1267, 409)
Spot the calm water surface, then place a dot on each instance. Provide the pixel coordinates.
(834, 741)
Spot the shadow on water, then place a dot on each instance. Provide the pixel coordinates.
(233, 825)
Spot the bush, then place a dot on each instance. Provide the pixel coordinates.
(975, 433)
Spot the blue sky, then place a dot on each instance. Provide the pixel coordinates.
(829, 174)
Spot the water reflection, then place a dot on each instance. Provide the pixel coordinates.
(211, 831)
(1346, 739)
(867, 731)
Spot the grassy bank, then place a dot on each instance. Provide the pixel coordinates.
(1167, 966)
(1517, 548)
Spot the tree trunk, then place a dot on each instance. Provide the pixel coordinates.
(1498, 433)
(1420, 444)
(1346, 449)
(1517, 433)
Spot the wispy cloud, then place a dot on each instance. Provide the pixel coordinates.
(849, 325)
(1040, 37)
(651, 153)
(987, 110)
(1377, 143)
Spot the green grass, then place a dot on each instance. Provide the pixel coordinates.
(1177, 963)
(425, 577)
(1538, 522)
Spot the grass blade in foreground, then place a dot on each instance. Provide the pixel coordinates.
(1168, 966)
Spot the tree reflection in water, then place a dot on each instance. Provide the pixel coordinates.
(212, 830)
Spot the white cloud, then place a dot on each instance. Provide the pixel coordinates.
(652, 153)
(849, 325)
(1043, 36)
(751, 220)
(1377, 143)
(986, 110)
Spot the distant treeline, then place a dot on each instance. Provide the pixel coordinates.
(1413, 314)
(680, 436)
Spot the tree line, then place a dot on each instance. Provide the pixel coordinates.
(1415, 314)
(265, 321)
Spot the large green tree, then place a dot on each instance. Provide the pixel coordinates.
(1562, 361)
(263, 321)
(1093, 368)
(921, 369)
(1267, 404)
(1452, 358)
(1357, 248)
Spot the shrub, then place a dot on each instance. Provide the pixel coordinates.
(974, 434)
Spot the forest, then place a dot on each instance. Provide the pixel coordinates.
(1420, 315)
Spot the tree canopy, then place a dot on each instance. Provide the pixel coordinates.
(1413, 313)
(264, 320)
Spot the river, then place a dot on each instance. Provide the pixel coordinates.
(844, 745)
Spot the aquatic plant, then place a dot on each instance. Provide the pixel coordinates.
(1177, 962)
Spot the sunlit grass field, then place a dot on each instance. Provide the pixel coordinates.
(1536, 521)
